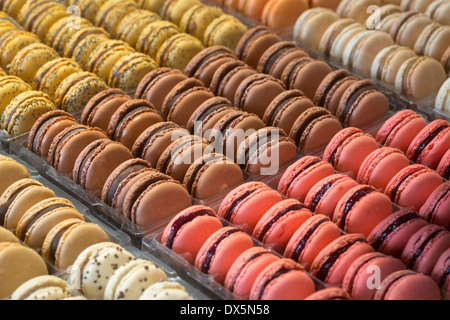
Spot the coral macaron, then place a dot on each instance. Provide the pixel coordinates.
(435, 209)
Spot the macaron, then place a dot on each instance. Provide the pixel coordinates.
(46, 287)
(24, 110)
(357, 281)
(445, 60)
(245, 205)
(301, 176)
(434, 209)
(348, 149)
(20, 265)
(95, 265)
(417, 5)
(12, 42)
(246, 268)
(101, 107)
(154, 35)
(356, 10)
(433, 41)
(401, 129)
(280, 222)
(212, 175)
(68, 239)
(314, 129)
(331, 293)
(173, 10)
(431, 144)
(332, 32)
(7, 236)
(10, 87)
(111, 13)
(441, 103)
(310, 238)
(403, 189)
(130, 120)
(37, 221)
(408, 285)
(132, 25)
(220, 250)
(281, 14)
(338, 44)
(166, 290)
(381, 166)
(197, 18)
(283, 279)
(225, 30)
(382, 18)
(444, 166)
(408, 27)
(332, 262)
(251, 8)
(182, 236)
(440, 272)
(438, 11)
(11, 172)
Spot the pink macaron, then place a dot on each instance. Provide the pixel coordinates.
(348, 149)
(314, 235)
(425, 247)
(220, 250)
(324, 196)
(245, 205)
(283, 279)
(187, 231)
(401, 129)
(436, 209)
(279, 223)
(431, 144)
(412, 186)
(381, 166)
(331, 293)
(441, 273)
(368, 271)
(408, 285)
(245, 269)
(391, 235)
(301, 176)
(444, 166)
(361, 209)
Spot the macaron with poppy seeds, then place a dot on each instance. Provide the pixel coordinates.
(152, 143)
(11, 172)
(256, 92)
(12, 7)
(310, 238)
(11, 43)
(302, 175)
(151, 5)
(37, 222)
(333, 261)
(441, 271)
(381, 166)
(359, 274)
(246, 268)
(356, 10)
(154, 35)
(24, 110)
(212, 175)
(91, 170)
(177, 51)
(111, 13)
(246, 204)
(444, 166)
(7, 236)
(131, 26)
(435, 208)
(254, 43)
(65, 241)
(324, 195)
(431, 144)
(425, 247)
(281, 14)
(361, 209)
(348, 149)
(19, 198)
(157, 84)
(173, 10)
(130, 120)
(196, 19)
(286, 108)
(101, 107)
(225, 30)
(220, 250)
(408, 27)
(305, 74)
(283, 279)
(77, 89)
(401, 129)
(10, 87)
(314, 128)
(182, 236)
(331, 293)
(183, 100)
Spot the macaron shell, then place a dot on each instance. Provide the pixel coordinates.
(7, 236)
(282, 14)
(225, 30)
(433, 152)
(11, 171)
(332, 293)
(440, 272)
(436, 207)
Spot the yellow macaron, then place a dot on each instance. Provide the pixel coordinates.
(112, 12)
(10, 87)
(226, 31)
(173, 10)
(132, 25)
(198, 18)
(154, 35)
(177, 51)
(151, 5)
(12, 42)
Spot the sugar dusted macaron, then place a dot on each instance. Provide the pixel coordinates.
(281, 14)
(166, 290)
(225, 30)
(47, 287)
(436, 207)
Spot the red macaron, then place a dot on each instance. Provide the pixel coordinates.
(437, 208)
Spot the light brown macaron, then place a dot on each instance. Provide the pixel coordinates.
(11, 171)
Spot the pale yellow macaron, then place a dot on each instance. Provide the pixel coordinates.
(154, 35)
(225, 30)
(132, 25)
(198, 18)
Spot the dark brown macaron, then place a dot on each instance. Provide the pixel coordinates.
(254, 43)
(266, 151)
(45, 129)
(211, 176)
(205, 63)
(155, 198)
(305, 74)
(362, 104)
(256, 92)
(332, 88)
(183, 100)
(100, 108)
(207, 115)
(278, 56)
(130, 120)
(286, 108)
(96, 163)
(69, 143)
(228, 77)
(314, 129)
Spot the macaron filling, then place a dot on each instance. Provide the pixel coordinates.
(55, 243)
(351, 202)
(39, 132)
(296, 67)
(278, 109)
(85, 161)
(279, 273)
(118, 180)
(422, 247)
(427, 141)
(331, 85)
